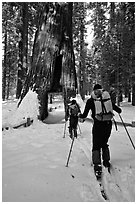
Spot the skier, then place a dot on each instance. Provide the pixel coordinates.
(102, 113)
(72, 113)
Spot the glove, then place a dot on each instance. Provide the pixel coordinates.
(119, 110)
(79, 115)
(81, 120)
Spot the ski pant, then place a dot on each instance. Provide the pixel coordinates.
(73, 122)
(100, 134)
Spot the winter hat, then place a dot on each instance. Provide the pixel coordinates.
(97, 86)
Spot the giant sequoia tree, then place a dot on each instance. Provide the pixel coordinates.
(53, 64)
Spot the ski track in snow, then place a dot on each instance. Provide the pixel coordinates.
(115, 185)
(119, 182)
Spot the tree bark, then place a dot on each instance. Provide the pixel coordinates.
(133, 94)
(23, 50)
(82, 65)
(4, 67)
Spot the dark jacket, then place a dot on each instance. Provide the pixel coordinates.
(68, 114)
(91, 106)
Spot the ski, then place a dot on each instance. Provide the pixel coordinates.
(101, 186)
(102, 190)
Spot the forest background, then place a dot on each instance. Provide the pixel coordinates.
(67, 47)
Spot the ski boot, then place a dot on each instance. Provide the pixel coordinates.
(107, 164)
(98, 171)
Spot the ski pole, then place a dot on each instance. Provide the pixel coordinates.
(127, 131)
(70, 151)
(79, 129)
(65, 129)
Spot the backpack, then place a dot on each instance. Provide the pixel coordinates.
(73, 110)
(103, 107)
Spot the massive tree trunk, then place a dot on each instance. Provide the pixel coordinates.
(53, 64)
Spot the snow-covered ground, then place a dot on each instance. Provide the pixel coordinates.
(34, 158)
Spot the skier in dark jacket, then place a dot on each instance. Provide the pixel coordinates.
(101, 130)
(72, 113)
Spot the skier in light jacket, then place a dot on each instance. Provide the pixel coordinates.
(101, 129)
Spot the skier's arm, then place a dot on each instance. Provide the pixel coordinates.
(86, 110)
(116, 108)
(79, 111)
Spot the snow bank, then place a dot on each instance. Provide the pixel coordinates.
(28, 108)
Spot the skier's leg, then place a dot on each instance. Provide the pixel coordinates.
(70, 127)
(75, 132)
(75, 123)
(106, 156)
(70, 132)
(96, 145)
(96, 149)
(105, 146)
(96, 157)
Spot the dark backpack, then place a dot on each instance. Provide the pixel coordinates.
(74, 110)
